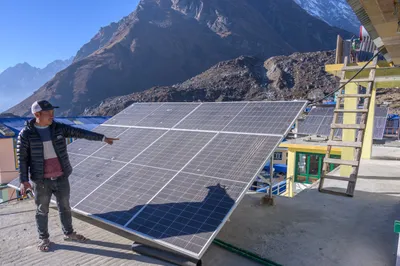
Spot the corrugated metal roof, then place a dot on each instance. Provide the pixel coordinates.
(84, 122)
(380, 19)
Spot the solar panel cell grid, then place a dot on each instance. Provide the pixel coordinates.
(133, 114)
(319, 120)
(125, 193)
(211, 116)
(132, 142)
(168, 115)
(89, 175)
(271, 118)
(174, 149)
(85, 147)
(188, 210)
(233, 156)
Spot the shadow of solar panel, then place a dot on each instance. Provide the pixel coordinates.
(212, 116)
(266, 117)
(86, 147)
(188, 210)
(132, 142)
(233, 156)
(133, 114)
(88, 175)
(168, 115)
(174, 149)
(137, 184)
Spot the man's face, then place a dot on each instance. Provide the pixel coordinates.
(45, 117)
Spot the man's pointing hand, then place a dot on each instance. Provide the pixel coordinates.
(110, 140)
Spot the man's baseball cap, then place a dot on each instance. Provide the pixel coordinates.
(42, 106)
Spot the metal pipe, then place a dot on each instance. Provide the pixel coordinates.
(271, 175)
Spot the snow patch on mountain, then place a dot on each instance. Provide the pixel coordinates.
(336, 13)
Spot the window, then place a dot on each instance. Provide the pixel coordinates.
(309, 167)
(278, 156)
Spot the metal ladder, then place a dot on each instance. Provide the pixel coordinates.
(358, 143)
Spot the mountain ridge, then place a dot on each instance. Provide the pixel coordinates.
(165, 42)
(336, 13)
(20, 81)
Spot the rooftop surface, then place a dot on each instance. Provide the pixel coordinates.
(309, 229)
(18, 240)
(320, 229)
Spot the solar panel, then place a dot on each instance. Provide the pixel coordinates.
(188, 211)
(232, 156)
(168, 115)
(212, 116)
(311, 125)
(132, 142)
(136, 184)
(183, 144)
(380, 121)
(271, 118)
(133, 114)
(319, 120)
(88, 175)
(84, 147)
(179, 169)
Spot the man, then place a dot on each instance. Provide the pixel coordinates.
(42, 150)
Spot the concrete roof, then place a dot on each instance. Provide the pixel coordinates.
(107, 246)
(320, 229)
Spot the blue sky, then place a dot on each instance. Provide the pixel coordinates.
(38, 32)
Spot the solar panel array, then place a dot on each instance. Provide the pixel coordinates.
(319, 120)
(179, 169)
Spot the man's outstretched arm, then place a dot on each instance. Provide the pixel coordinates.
(73, 132)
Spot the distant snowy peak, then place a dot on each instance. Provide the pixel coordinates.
(336, 13)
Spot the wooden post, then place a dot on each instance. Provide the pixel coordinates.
(339, 50)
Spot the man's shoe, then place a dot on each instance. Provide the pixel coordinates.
(44, 245)
(75, 237)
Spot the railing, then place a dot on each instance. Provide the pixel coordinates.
(360, 51)
(262, 186)
(392, 132)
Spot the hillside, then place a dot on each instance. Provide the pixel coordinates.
(297, 76)
(166, 42)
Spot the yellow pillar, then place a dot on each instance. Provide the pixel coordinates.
(291, 164)
(369, 130)
(349, 134)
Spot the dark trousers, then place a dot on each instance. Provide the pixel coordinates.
(43, 191)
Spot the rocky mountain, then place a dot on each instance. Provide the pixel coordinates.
(21, 80)
(164, 42)
(336, 13)
(297, 76)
